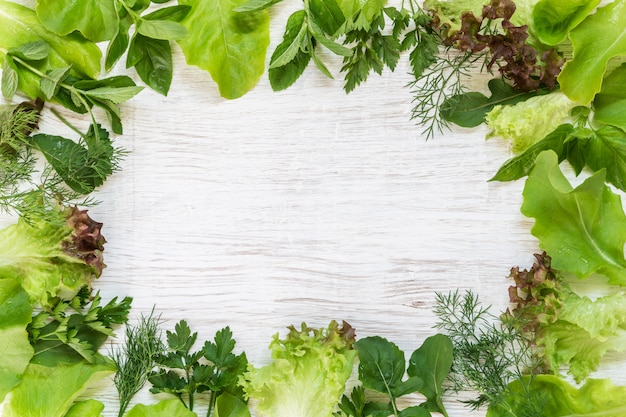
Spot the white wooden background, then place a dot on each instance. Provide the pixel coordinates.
(303, 205)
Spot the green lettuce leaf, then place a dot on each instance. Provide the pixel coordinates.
(596, 40)
(610, 102)
(230, 45)
(50, 391)
(87, 408)
(97, 20)
(165, 408)
(19, 25)
(15, 349)
(582, 228)
(554, 19)
(596, 398)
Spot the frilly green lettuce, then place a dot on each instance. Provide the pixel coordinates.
(527, 122)
(52, 256)
(308, 374)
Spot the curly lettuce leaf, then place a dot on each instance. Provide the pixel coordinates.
(596, 40)
(596, 398)
(19, 25)
(50, 391)
(554, 19)
(230, 45)
(97, 20)
(582, 228)
(15, 348)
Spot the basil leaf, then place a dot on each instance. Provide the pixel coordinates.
(173, 13)
(327, 15)
(115, 49)
(161, 29)
(152, 59)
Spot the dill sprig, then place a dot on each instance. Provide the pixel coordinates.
(135, 359)
(489, 354)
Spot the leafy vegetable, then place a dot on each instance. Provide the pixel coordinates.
(469, 109)
(230, 45)
(589, 218)
(526, 122)
(382, 369)
(214, 369)
(52, 257)
(308, 374)
(553, 20)
(596, 397)
(136, 358)
(15, 349)
(569, 329)
(595, 42)
(50, 390)
(86, 408)
(610, 103)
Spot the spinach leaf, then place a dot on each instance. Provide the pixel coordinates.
(469, 109)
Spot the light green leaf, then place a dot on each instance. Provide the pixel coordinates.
(32, 51)
(87, 408)
(50, 390)
(115, 95)
(596, 40)
(607, 149)
(10, 78)
(19, 25)
(231, 46)
(15, 348)
(227, 405)
(166, 408)
(97, 20)
(255, 5)
(610, 102)
(554, 19)
(294, 40)
(49, 85)
(583, 229)
(161, 29)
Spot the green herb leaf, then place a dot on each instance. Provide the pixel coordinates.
(10, 78)
(152, 59)
(583, 228)
(595, 42)
(50, 83)
(469, 109)
(115, 49)
(161, 29)
(255, 5)
(227, 405)
(327, 15)
(289, 59)
(431, 362)
(230, 45)
(174, 13)
(32, 51)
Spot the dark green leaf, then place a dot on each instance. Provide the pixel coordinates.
(424, 54)
(116, 49)
(152, 59)
(469, 109)
(181, 339)
(220, 351)
(381, 365)
(294, 41)
(327, 15)
(432, 363)
(520, 165)
(415, 411)
(283, 77)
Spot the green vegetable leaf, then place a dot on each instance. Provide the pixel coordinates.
(382, 368)
(255, 5)
(19, 25)
(584, 229)
(230, 45)
(290, 57)
(161, 29)
(97, 20)
(174, 13)
(10, 78)
(50, 83)
(15, 349)
(554, 19)
(152, 59)
(164, 408)
(595, 42)
(469, 109)
(86, 408)
(610, 103)
(32, 51)
(607, 150)
(431, 362)
(327, 15)
(227, 405)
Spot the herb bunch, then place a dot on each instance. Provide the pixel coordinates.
(489, 354)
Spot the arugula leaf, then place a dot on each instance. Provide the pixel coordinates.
(595, 42)
(230, 45)
(432, 363)
(469, 109)
(610, 103)
(554, 19)
(583, 228)
(97, 20)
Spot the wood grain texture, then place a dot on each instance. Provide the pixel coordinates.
(303, 205)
